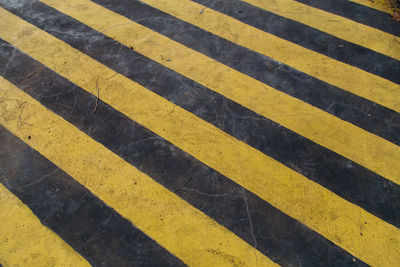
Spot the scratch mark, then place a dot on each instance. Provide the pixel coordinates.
(250, 220)
(40, 179)
(97, 98)
(10, 60)
(20, 114)
(208, 195)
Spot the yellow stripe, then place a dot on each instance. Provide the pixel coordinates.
(335, 25)
(304, 200)
(24, 241)
(172, 222)
(344, 138)
(337, 73)
(376, 4)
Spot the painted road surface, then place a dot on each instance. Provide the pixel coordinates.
(200, 133)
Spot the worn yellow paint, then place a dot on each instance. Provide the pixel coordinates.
(364, 148)
(337, 73)
(376, 4)
(300, 198)
(335, 25)
(176, 225)
(24, 241)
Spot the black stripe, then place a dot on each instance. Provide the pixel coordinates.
(89, 226)
(310, 38)
(358, 13)
(275, 234)
(359, 111)
(340, 175)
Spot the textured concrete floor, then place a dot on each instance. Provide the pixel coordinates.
(205, 133)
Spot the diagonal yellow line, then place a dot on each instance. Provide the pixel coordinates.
(173, 223)
(352, 79)
(24, 241)
(364, 148)
(300, 198)
(335, 25)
